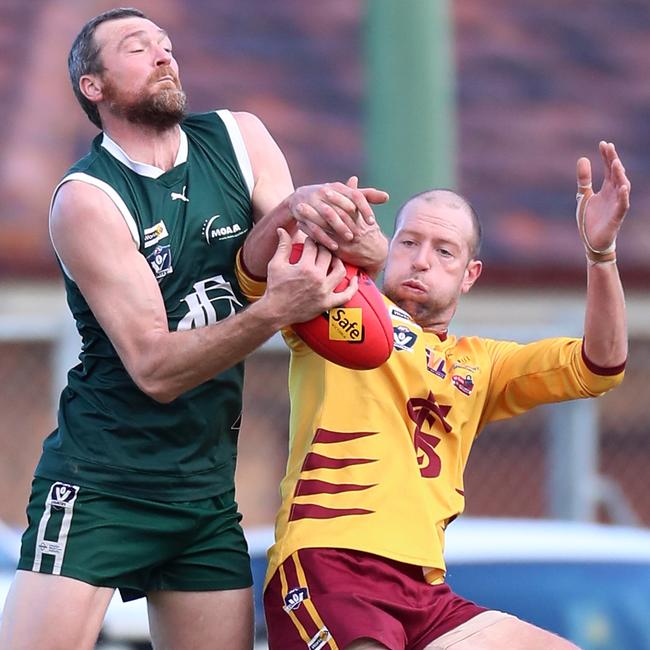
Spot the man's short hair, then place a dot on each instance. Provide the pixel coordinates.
(84, 56)
(475, 246)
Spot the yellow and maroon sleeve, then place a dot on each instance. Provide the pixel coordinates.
(550, 370)
(251, 286)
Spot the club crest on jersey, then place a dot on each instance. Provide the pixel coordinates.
(160, 261)
(404, 338)
(464, 384)
(213, 299)
(319, 639)
(154, 234)
(295, 598)
(435, 365)
(63, 495)
(212, 231)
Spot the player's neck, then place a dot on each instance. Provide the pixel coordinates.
(439, 329)
(433, 321)
(145, 144)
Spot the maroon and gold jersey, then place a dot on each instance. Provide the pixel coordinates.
(377, 456)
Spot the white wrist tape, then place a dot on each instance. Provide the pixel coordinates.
(594, 255)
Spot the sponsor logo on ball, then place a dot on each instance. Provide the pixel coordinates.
(346, 324)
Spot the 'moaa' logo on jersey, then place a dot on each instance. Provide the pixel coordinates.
(210, 297)
(213, 231)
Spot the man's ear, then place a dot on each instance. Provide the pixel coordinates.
(472, 272)
(91, 87)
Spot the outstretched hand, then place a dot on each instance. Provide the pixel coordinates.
(600, 215)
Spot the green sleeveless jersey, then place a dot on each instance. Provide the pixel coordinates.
(188, 223)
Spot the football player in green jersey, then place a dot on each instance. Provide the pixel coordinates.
(135, 487)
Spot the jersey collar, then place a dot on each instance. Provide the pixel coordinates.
(144, 169)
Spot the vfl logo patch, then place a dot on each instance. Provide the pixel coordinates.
(211, 232)
(346, 324)
(404, 338)
(154, 234)
(319, 639)
(294, 598)
(63, 495)
(160, 261)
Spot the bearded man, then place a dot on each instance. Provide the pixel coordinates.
(135, 488)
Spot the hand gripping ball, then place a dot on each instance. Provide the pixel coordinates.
(356, 335)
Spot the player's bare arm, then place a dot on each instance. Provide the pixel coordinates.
(271, 175)
(124, 296)
(600, 217)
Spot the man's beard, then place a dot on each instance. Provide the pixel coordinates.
(423, 313)
(159, 110)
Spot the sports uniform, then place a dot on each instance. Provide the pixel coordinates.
(376, 467)
(114, 440)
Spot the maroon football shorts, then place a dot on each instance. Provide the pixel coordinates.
(328, 598)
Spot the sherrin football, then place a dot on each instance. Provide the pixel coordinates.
(358, 334)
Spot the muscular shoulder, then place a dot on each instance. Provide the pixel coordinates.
(83, 212)
(271, 175)
(255, 134)
(248, 121)
(74, 198)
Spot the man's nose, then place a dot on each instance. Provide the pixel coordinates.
(421, 261)
(163, 57)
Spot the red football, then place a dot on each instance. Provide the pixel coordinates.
(357, 335)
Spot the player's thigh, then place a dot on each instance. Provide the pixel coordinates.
(198, 620)
(495, 631)
(51, 612)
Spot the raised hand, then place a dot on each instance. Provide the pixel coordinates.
(368, 247)
(600, 215)
(328, 213)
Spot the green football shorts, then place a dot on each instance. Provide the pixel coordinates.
(135, 545)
